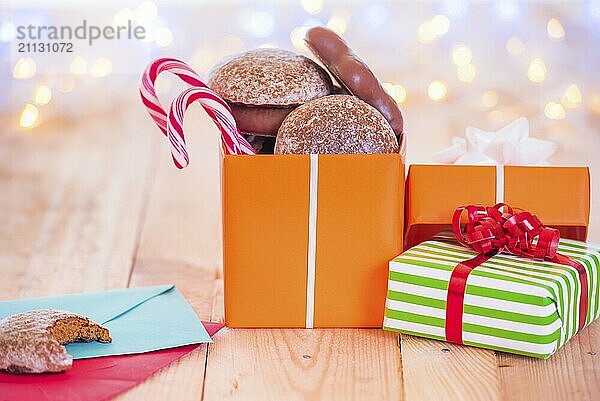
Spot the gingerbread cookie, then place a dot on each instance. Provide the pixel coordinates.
(32, 341)
(263, 86)
(335, 124)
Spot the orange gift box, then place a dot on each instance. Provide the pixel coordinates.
(559, 196)
(307, 238)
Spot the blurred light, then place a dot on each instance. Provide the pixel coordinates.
(594, 8)
(431, 29)
(376, 14)
(537, 70)
(572, 97)
(297, 37)
(555, 29)
(24, 68)
(146, 12)
(201, 60)
(261, 24)
(396, 91)
(466, 73)
(455, 8)
(122, 16)
(594, 103)
(163, 37)
(160, 21)
(8, 31)
(66, 83)
(149, 32)
(437, 90)
(495, 117)
(425, 33)
(43, 95)
(440, 25)
(461, 55)
(230, 44)
(507, 9)
(489, 99)
(29, 116)
(312, 6)
(101, 68)
(514, 46)
(554, 111)
(337, 24)
(78, 66)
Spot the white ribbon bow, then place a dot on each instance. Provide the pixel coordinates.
(510, 145)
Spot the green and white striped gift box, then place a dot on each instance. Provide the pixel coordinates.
(511, 304)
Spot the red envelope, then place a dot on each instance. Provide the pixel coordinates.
(94, 379)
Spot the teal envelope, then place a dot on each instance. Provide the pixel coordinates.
(139, 319)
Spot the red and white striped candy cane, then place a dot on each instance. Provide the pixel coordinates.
(231, 144)
(232, 141)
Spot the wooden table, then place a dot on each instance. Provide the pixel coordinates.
(98, 205)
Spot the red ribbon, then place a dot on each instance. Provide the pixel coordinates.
(497, 229)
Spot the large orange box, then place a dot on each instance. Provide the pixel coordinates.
(307, 238)
(559, 196)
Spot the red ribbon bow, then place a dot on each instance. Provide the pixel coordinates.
(497, 229)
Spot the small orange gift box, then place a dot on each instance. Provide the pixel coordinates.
(307, 238)
(559, 196)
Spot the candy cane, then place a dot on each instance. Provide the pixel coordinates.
(232, 141)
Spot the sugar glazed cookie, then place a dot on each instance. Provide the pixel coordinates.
(32, 341)
(263, 86)
(335, 124)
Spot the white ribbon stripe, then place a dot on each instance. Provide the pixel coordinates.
(499, 184)
(312, 241)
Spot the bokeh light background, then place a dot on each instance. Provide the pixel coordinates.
(449, 64)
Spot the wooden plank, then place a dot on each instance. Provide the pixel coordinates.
(70, 206)
(436, 370)
(291, 364)
(573, 373)
(180, 244)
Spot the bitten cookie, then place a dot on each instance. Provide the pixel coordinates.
(31, 342)
(335, 124)
(263, 86)
(353, 73)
